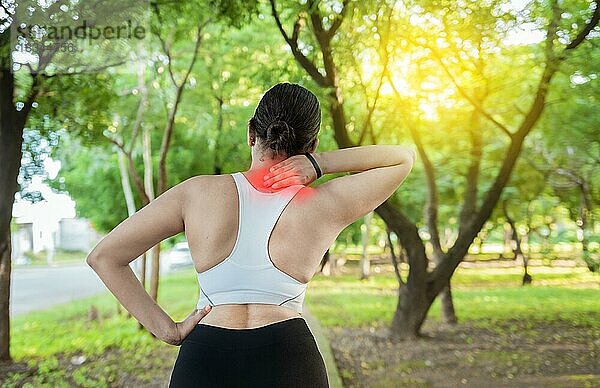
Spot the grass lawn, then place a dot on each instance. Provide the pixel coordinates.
(116, 352)
(481, 296)
(547, 334)
(46, 345)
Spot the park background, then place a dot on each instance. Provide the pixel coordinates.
(480, 270)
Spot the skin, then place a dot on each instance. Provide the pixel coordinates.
(205, 207)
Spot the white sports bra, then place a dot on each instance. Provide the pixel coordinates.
(248, 275)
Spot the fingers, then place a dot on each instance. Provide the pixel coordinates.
(285, 165)
(199, 314)
(279, 177)
(287, 182)
(291, 160)
(189, 323)
(278, 170)
(291, 171)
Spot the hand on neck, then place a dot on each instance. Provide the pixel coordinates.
(258, 169)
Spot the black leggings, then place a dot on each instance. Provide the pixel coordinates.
(280, 354)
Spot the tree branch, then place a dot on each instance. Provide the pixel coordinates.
(393, 255)
(167, 52)
(130, 165)
(306, 63)
(432, 191)
(587, 29)
(385, 59)
(463, 93)
(143, 98)
(337, 22)
(168, 132)
(163, 42)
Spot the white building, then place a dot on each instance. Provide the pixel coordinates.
(49, 224)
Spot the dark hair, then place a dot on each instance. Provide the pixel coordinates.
(287, 120)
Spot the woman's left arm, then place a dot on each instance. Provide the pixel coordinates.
(110, 258)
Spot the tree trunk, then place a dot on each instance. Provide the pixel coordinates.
(446, 302)
(334, 266)
(410, 313)
(480, 241)
(154, 275)
(395, 260)
(143, 279)
(218, 167)
(414, 298)
(506, 242)
(448, 312)
(5, 268)
(143, 268)
(516, 243)
(12, 123)
(365, 264)
(585, 211)
(323, 267)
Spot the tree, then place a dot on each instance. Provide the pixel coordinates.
(28, 96)
(569, 158)
(422, 286)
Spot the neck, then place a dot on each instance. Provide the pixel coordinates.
(258, 169)
(258, 165)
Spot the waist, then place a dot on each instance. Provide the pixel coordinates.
(221, 338)
(247, 316)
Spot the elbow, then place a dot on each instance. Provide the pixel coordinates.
(408, 155)
(92, 259)
(412, 155)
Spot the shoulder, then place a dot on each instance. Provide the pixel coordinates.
(199, 186)
(196, 180)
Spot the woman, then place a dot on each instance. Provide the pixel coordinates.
(256, 238)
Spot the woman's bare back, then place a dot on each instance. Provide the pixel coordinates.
(297, 244)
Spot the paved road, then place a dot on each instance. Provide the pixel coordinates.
(37, 288)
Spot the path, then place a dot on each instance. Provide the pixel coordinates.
(40, 287)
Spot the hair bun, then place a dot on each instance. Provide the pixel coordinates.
(280, 136)
(276, 128)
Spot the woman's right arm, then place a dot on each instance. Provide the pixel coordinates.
(363, 158)
(380, 169)
(298, 169)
